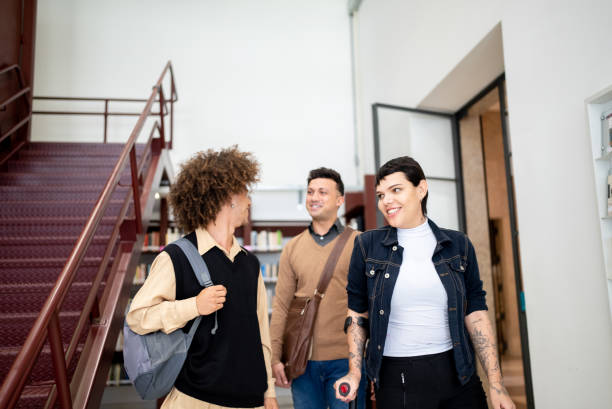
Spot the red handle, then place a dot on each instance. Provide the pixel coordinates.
(344, 388)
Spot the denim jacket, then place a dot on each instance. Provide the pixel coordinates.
(373, 271)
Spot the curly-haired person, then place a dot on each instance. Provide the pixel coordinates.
(232, 367)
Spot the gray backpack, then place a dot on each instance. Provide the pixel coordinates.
(153, 361)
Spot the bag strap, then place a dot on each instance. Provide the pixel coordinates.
(332, 260)
(201, 272)
(196, 261)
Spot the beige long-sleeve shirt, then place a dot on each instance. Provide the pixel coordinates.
(300, 268)
(155, 308)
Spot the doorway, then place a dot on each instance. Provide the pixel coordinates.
(467, 159)
(491, 222)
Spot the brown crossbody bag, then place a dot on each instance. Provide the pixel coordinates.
(302, 313)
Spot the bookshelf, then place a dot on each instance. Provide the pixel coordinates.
(267, 245)
(266, 239)
(599, 112)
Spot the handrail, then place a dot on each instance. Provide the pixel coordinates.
(9, 68)
(23, 91)
(117, 99)
(106, 113)
(46, 324)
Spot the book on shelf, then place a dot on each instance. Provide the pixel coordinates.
(119, 344)
(266, 241)
(269, 270)
(117, 375)
(270, 293)
(142, 272)
(152, 239)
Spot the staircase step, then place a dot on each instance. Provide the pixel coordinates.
(69, 161)
(47, 193)
(53, 158)
(54, 209)
(60, 167)
(43, 372)
(15, 327)
(36, 251)
(46, 270)
(51, 262)
(52, 195)
(50, 240)
(33, 397)
(45, 274)
(29, 298)
(44, 226)
(79, 146)
(29, 179)
(69, 150)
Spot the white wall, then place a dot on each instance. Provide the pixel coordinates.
(556, 56)
(272, 76)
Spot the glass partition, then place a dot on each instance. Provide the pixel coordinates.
(430, 138)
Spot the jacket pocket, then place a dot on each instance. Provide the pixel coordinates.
(457, 273)
(373, 273)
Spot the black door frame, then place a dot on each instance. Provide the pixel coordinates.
(456, 152)
(498, 83)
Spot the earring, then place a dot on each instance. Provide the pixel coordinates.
(233, 205)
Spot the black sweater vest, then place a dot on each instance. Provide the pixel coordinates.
(227, 368)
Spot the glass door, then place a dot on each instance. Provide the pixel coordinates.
(431, 138)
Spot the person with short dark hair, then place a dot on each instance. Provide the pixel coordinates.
(230, 368)
(301, 264)
(327, 173)
(420, 288)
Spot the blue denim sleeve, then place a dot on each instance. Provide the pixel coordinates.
(474, 293)
(356, 287)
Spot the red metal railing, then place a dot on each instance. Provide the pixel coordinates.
(23, 92)
(47, 323)
(106, 113)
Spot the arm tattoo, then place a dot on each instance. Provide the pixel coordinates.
(486, 349)
(357, 337)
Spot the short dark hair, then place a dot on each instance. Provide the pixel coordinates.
(409, 167)
(327, 173)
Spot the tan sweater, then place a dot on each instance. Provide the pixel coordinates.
(301, 264)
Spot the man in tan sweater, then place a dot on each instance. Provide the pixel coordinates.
(301, 264)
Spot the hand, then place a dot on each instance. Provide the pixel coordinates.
(500, 399)
(353, 380)
(279, 373)
(211, 299)
(270, 403)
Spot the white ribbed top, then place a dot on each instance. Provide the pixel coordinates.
(418, 324)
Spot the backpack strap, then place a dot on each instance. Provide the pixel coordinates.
(200, 269)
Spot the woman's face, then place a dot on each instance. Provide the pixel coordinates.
(400, 201)
(240, 211)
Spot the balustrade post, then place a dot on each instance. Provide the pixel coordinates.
(135, 189)
(59, 362)
(105, 118)
(161, 117)
(172, 94)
